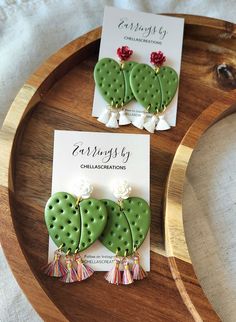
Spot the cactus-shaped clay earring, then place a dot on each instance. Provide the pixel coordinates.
(112, 81)
(74, 224)
(154, 89)
(127, 226)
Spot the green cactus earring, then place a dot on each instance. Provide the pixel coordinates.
(74, 224)
(154, 88)
(127, 226)
(112, 81)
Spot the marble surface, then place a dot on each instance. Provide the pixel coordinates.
(31, 30)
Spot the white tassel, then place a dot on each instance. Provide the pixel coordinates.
(112, 123)
(150, 125)
(105, 116)
(123, 119)
(162, 124)
(139, 121)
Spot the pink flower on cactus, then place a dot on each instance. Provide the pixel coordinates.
(124, 52)
(157, 58)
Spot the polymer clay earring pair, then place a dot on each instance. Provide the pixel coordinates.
(75, 223)
(119, 83)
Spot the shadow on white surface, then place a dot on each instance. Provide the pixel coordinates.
(14, 305)
(209, 213)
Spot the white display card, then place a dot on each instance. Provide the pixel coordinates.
(143, 33)
(102, 159)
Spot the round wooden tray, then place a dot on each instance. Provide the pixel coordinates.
(59, 96)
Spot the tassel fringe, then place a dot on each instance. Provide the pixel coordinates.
(76, 270)
(56, 267)
(162, 124)
(123, 119)
(112, 123)
(83, 271)
(137, 270)
(114, 275)
(105, 116)
(71, 275)
(127, 276)
(139, 121)
(151, 124)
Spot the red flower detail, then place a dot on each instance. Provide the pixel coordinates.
(157, 58)
(124, 52)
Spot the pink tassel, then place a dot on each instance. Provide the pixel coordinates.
(137, 270)
(55, 268)
(70, 275)
(83, 271)
(127, 276)
(114, 276)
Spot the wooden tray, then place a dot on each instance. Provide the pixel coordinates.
(59, 96)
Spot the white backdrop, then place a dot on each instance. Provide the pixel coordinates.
(30, 31)
(209, 208)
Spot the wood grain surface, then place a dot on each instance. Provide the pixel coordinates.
(59, 96)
